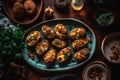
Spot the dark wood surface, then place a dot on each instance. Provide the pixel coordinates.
(87, 16)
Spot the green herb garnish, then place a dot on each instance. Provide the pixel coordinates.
(77, 36)
(104, 18)
(56, 42)
(66, 55)
(32, 38)
(10, 43)
(42, 49)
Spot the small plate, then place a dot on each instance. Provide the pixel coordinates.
(105, 71)
(25, 19)
(110, 43)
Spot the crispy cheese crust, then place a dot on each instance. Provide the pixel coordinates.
(49, 57)
(48, 32)
(42, 47)
(81, 54)
(61, 31)
(77, 33)
(64, 55)
(80, 43)
(33, 38)
(58, 43)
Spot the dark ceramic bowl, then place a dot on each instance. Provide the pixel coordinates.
(104, 17)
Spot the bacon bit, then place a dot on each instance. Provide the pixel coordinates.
(59, 59)
(115, 52)
(30, 55)
(89, 39)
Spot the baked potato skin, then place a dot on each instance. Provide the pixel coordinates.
(58, 43)
(77, 33)
(33, 38)
(48, 32)
(61, 31)
(82, 54)
(80, 43)
(64, 55)
(49, 57)
(42, 47)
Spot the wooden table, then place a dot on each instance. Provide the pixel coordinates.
(87, 16)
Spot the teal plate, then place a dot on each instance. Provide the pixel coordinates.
(70, 24)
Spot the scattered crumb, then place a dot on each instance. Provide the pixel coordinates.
(30, 55)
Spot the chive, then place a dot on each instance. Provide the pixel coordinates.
(42, 49)
(77, 36)
(56, 42)
(32, 38)
(66, 55)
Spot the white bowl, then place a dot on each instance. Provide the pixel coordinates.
(108, 43)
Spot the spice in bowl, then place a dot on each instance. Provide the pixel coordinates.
(104, 17)
(115, 52)
(95, 72)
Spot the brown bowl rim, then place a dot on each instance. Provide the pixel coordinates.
(6, 9)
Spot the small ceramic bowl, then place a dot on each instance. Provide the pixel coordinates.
(96, 67)
(104, 17)
(111, 47)
(61, 4)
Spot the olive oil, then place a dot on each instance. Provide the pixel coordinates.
(77, 4)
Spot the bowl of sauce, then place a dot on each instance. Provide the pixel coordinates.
(104, 17)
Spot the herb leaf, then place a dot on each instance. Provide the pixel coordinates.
(10, 43)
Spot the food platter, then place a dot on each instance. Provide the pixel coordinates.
(70, 24)
(25, 19)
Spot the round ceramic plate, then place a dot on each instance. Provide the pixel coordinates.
(90, 69)
(70, 24)
(111, 47)
(25, 19)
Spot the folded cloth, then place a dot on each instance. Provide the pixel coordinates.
(4, 21)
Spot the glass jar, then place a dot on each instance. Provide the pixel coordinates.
(77, 4)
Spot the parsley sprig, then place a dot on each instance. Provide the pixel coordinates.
(10, 43)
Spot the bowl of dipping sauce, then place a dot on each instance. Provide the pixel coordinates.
(104, 17)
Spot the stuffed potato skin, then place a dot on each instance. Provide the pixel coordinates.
(49, 57)
(48, 32)
(77, 33)
(81, 54)
(42, 47)
(61, 31)
(64, 55)
(33, 38)
(80, 43)
(58, 43)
